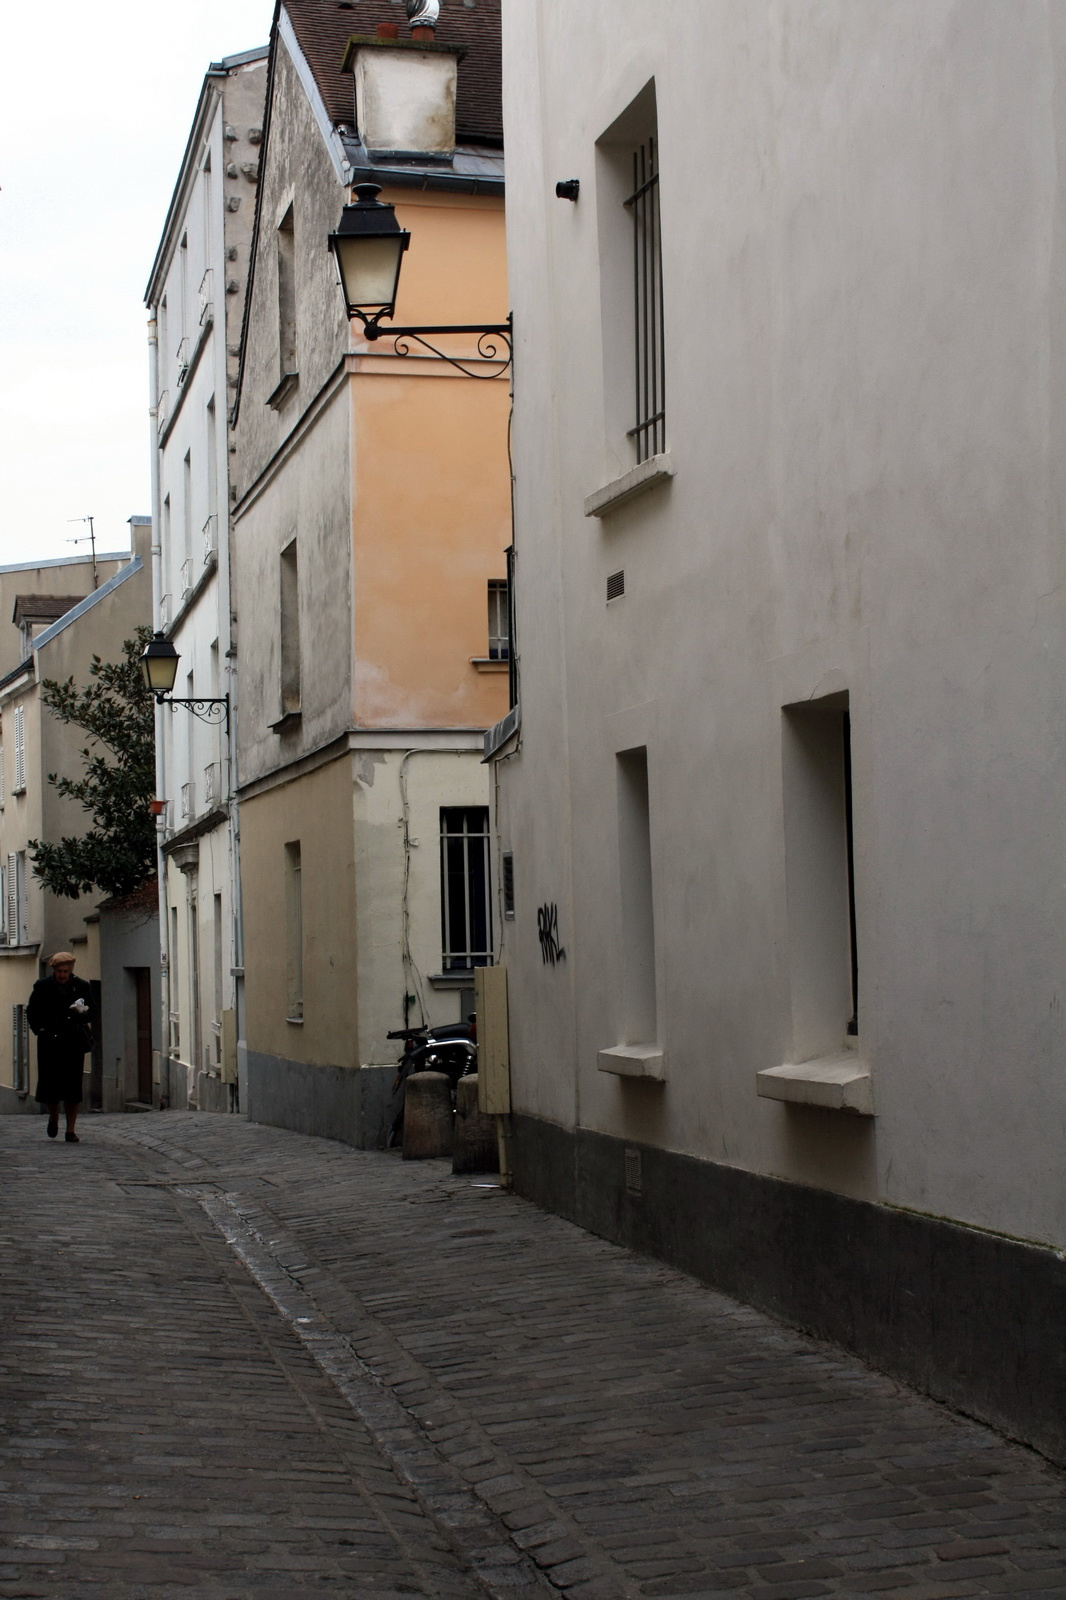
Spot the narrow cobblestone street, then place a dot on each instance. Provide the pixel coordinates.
(241, 1362)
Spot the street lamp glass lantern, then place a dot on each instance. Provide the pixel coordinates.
(369, 245)
(159, 664)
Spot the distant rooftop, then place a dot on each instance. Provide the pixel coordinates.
(68, 561)
(43, 607)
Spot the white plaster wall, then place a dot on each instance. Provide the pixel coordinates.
(214, 217)
(432, 778)
(863, 269)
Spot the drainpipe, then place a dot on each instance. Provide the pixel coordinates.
(160, 752)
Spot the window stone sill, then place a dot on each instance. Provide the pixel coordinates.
(841, 1082)
(614, 495)
(488, 664)
(634, 1061)
(285, 388)
(287, 723)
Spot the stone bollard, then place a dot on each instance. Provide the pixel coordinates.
(475, 1147)
(427, 1116)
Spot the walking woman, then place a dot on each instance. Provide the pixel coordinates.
(59, 1013)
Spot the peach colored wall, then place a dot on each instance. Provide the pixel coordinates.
(431, 496)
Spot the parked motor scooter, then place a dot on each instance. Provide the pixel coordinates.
(451, 1048)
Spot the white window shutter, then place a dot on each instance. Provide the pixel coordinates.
(12, 899)
(20, 748)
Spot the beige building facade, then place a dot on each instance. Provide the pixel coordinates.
(782, 813)
(34, 743)
(370, 528)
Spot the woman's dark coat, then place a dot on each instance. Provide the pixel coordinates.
(62, 1038)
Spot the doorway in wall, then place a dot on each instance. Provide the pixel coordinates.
(95, 1094)
(142, 979)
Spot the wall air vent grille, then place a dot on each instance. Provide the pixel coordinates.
(616, 585)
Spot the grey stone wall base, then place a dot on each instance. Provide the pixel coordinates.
(13, 1104)
(971, 1318)
(212, 1094)
(346, 1103)
(173, 1085)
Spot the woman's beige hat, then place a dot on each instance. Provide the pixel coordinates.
(63, 956)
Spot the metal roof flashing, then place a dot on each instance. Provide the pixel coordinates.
(91, 600)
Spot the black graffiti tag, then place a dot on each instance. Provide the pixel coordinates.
(551, 950)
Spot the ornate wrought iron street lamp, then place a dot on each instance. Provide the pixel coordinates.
(159, 667)
(369, 247)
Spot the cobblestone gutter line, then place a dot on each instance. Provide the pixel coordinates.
(470, 1514)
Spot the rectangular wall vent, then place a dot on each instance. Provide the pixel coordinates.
(616, 585)
(507, 862)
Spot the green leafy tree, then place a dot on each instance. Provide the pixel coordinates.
(117, 854)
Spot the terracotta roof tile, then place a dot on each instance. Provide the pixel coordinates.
(323, 28)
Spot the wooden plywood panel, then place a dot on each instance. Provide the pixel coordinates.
(493, 1051)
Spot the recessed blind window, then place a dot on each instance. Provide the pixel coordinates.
(466, 914)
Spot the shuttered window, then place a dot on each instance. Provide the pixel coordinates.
(11, 898)
(20, 749)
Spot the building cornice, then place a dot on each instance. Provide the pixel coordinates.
(202, 342)
(196, 830)
(405, 741)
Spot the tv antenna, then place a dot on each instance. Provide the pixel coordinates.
(89, 539)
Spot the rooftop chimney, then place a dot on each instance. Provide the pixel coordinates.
(405, 88)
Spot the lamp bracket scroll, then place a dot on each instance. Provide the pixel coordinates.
(494, 342)
(208, 710)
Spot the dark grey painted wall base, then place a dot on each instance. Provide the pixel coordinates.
(971, 1318)
(345, 1103)
(13, 1103)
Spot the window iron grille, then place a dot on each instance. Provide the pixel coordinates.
(205, 297)
(211, 784)
(210, 538)
(186, 576)
(649, 430)
(188, 800)
(499, 621)
(466, 911)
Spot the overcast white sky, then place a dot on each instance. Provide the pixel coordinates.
(95, 107)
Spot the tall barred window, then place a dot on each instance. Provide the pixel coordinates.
(649, 429)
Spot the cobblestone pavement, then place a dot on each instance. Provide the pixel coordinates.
(237, 1362)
